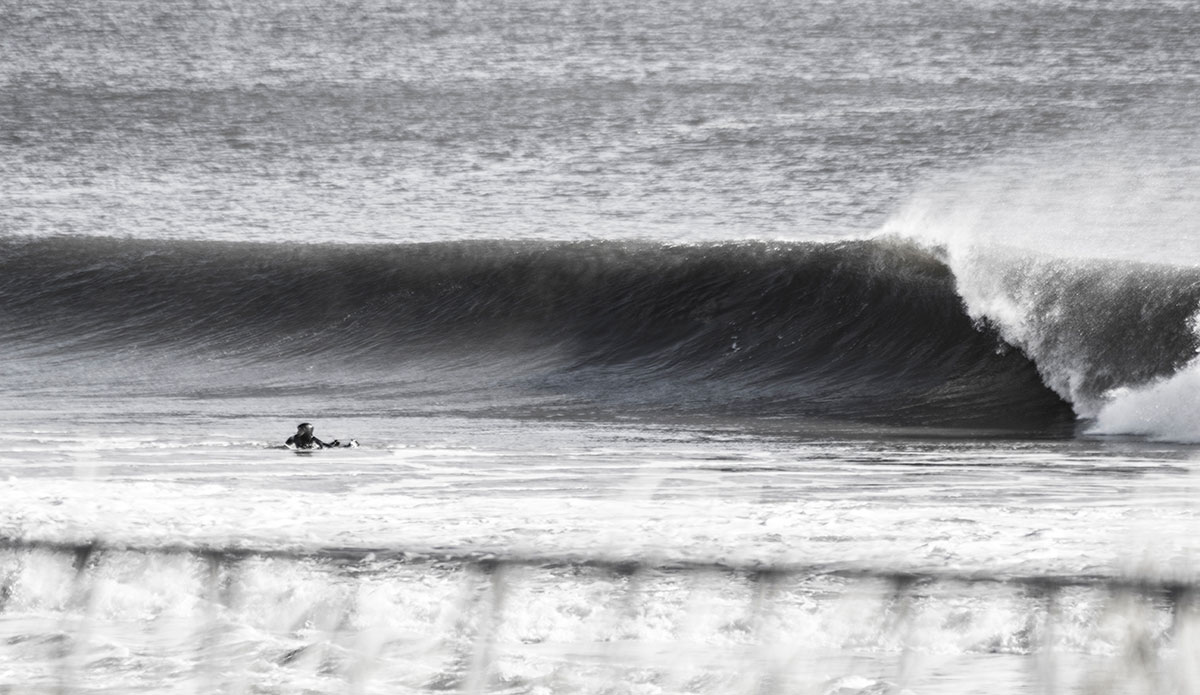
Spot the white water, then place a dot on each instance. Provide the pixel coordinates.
(1164, 410)
(730, 493)
(1018, 232)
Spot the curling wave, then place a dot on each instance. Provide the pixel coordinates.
(864, 330)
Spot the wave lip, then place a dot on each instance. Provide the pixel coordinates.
(862, 330)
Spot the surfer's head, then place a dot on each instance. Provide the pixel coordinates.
(304, 427)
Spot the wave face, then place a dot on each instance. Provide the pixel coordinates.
(862, 330)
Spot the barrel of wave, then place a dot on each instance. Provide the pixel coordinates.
(1051, 247)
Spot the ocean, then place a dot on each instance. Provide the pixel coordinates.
(721, 346)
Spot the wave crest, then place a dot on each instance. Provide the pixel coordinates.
(864, 330)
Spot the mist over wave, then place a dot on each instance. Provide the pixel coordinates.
(1088, 264)
(864, 330)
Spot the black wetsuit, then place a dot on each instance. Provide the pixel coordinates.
(307, 441)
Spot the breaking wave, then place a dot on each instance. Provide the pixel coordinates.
(871, 330)
(1085, 259)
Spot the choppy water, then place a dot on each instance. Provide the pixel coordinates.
(894, 285)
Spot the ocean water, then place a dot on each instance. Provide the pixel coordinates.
(691, 347)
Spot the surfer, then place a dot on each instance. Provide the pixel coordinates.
(305, 439)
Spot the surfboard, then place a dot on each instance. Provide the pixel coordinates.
(351, 444)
